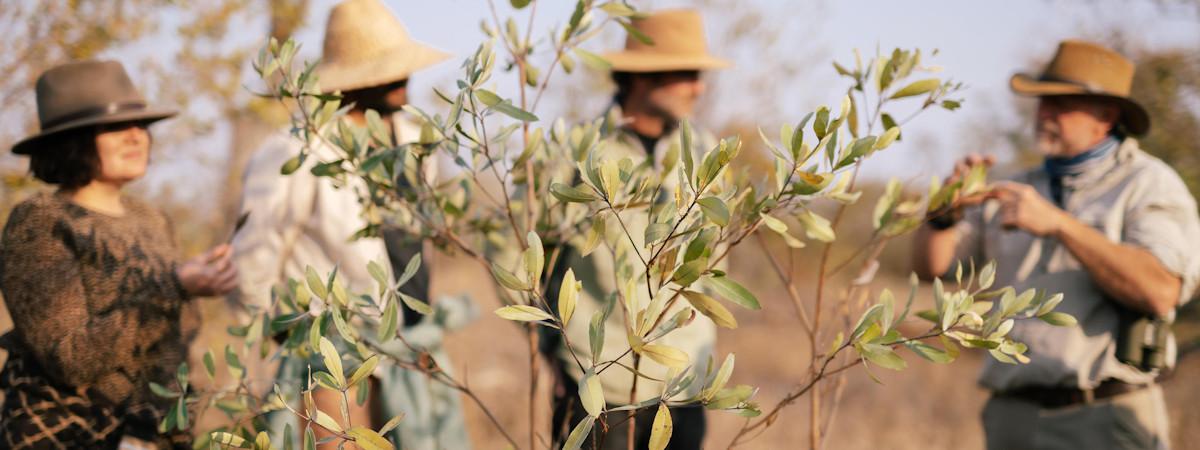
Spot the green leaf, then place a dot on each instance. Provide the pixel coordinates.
(326, 421)
(391, 424)
(1049, 304)
(635, 33)
(719, 380)
(715, 210)
(535, 258)
(572, 194)
(888, 307)
(333, 361)
(414, 264)
(591, 394)
(292, 165)
(689, 272)
(929, 352)
(568, 292)
(596, 334)
(617, 9)
(162, 391)
(518, 4)
(315, 285)
(388, 323)
(734, 292)
(210, 366)
(656, 232)
(1060, 319)
(517, 113)
(416, 304)
(364, 370)
(816, 227)
(233, 363)
(596, 62)
(821, 123)
(882, 356)
(507, 279)
(579, 434)
(868, 318)
(888, 138)
(488, 98)
(660, 431)
(523, 313)
(917, 88)
(711, 309)
(685, 149)
(368, 439)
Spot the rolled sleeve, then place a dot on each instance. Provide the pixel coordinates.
(1163, 220)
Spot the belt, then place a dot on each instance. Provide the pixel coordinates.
(1061, 397)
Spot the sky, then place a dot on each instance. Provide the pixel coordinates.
(980, 43)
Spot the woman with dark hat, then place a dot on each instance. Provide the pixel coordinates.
(91, 276)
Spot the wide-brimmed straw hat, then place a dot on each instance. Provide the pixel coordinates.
(86, 93)
(1088, 69)
(367, 46)
(677, 44)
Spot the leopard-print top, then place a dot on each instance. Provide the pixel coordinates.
(95, 304)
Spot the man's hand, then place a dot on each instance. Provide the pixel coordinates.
(212, 273)
(963, 167)
(1022, 207)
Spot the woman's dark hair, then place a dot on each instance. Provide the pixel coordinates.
(68, 159)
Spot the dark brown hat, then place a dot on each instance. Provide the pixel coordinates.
(1085, 68)
(86, 93)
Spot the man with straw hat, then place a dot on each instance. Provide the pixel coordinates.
(658, 85)
(1110, 227)
(303, 220)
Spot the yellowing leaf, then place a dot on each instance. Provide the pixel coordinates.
(816, 227)
(568, 292)
(660, 431)
(591, 394)
(368, 439)
(333, 361)
(665, 355)
(326, 421)
(523, 313)
(229, 439)
(711, 308)
(579, 434)
(364, 370)
(917, 88)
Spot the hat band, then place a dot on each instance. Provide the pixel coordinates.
(1091, 88)
(109, 109)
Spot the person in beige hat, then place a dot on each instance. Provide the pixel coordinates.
(658, 86)
(92, 276)
(1110, 227)
(302, 220)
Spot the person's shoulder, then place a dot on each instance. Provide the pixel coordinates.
(1152, 175)
(40, 211)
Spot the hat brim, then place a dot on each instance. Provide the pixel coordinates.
(29, 145)
(394, 65)
(641, 62)
(1133, 115)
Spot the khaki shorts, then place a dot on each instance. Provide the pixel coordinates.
(1135, 420)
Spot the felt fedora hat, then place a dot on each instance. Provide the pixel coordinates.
(1088, 69)
(367, 46)
(86, 93)
(677, 44)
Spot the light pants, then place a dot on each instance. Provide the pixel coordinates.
(1135, 420)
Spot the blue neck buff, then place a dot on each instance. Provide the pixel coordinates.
(1074, 165)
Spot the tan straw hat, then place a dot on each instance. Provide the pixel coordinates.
(86, 93)
(1085, 68)
(678, 44)
(367, 46)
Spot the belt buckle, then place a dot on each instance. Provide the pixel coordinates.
(1089, 396)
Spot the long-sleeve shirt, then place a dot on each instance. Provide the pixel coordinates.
(95, 303)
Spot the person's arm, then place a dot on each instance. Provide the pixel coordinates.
(1130, 274)
(44, 292)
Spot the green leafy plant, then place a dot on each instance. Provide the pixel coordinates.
(527, 188)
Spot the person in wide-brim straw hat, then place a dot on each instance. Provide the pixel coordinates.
(676, 42)
(658, 85)
(91, 276)
(1111, 229)
(367, 46)
(302, 220)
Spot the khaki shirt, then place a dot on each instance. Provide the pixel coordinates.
(601, 274)
(1131, 197)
